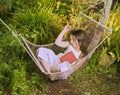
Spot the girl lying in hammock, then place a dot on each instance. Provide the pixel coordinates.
(51, 62)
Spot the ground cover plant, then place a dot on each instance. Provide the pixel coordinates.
(39, 21)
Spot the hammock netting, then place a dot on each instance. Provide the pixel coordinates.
(95, 32)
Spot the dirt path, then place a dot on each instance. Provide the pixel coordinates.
(63, 87)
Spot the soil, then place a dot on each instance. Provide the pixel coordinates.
(106, 84)
(63, 87)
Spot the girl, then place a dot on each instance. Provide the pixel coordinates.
(51, 62)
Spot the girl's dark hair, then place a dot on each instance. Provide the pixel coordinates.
(81, 37)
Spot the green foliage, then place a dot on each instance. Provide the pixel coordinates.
(5, 77)
(5, 8)
(38, 26)
(113, 42)
(110, 51)
(19, 82)
(40, 21)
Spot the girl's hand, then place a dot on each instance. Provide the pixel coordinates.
(59, 41)
(66, 28)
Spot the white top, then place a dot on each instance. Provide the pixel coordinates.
(52, 60)
(76, 53)
(70, 48)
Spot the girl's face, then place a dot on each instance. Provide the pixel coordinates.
(74, 42)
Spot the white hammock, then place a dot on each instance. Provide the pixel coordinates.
(31, 48)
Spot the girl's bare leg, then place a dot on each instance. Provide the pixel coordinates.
(45, 64)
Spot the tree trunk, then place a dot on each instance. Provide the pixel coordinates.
(97, 35)
(106, 10)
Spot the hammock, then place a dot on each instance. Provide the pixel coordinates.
(93, 30)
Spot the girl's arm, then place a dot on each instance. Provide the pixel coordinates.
(59, 41)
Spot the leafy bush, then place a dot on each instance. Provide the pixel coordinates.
(113, 42)
(110, 50)
(38, 26)
(5, 8)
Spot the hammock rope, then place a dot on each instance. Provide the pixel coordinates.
(59, 75)
(80, 13)
(32, 55)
